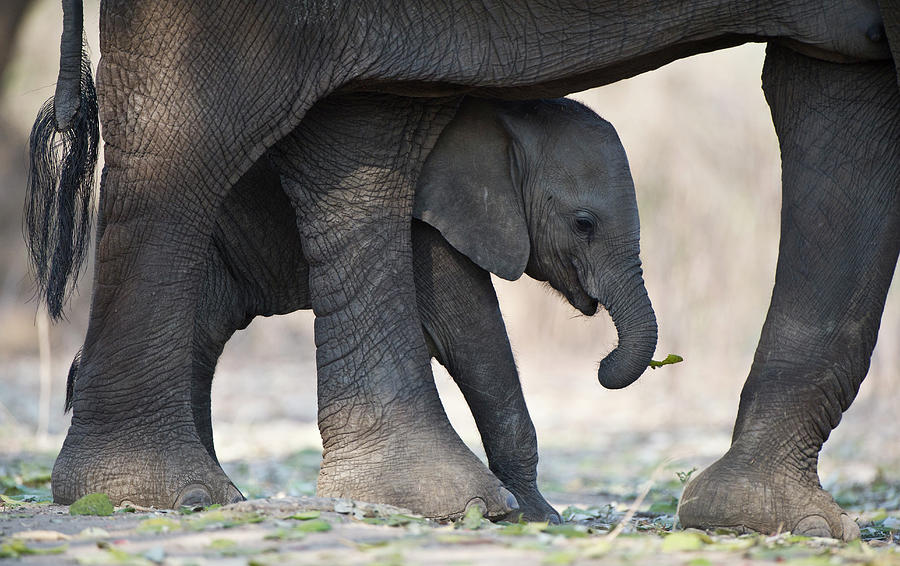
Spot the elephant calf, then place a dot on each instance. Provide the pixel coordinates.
(541, 187)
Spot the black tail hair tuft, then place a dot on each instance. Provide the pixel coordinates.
(58, 208)
(70, 381)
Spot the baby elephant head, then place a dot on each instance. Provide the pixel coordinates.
(543, 187)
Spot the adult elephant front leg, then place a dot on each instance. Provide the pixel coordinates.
(839, 129)
(352, 166)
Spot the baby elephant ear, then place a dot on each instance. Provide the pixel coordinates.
(468, 190)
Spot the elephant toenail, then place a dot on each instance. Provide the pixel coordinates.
(477, 502)
(553, 519)
(813, 526)
(194, 496)
(233, 495)
(851, 529)
(511, 501)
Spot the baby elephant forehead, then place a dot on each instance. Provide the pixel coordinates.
(587, 155)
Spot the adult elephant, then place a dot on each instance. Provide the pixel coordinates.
(192, 95)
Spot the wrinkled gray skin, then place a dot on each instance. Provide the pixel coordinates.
(830, 287)
(183, 119)
(569, 165)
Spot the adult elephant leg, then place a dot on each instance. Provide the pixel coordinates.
(133, 434)
(465, 330)
(353, 163)
(181, 123)
(839, 129)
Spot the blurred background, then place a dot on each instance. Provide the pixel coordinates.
(705, 162)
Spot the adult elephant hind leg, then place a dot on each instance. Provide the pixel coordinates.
(133, 434)
(839, 129)
(352, 166)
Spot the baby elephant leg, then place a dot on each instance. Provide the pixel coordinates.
(462, 323)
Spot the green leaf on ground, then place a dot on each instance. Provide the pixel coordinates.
(93, 532)
(567, 530)
(114, 555)
(92, 504)
(473, 519)
(301, 530)
(670, 359)
(220, 519)
(17, 548)
(158, 525)
(7, 500)
(222, 544)
(560, 558)
(305, 515)
(314, 526)
(683, 540)
(395, 520)
(523, 528)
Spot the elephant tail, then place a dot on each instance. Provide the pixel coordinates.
(70, 381)
(63, 155)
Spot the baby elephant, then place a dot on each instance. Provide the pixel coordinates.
(541, 187)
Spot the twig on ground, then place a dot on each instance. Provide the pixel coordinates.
(633, 508)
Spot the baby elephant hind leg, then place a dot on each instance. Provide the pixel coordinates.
(839, 129)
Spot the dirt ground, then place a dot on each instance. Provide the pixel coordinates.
(604, 527)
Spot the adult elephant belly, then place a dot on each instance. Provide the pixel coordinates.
(840, 238)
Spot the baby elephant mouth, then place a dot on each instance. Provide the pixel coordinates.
(585, 304)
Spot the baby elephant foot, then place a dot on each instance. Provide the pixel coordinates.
(745, 496)
(140, 470)
(437, 479)
(532, 506)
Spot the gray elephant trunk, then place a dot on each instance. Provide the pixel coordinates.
(629, 306)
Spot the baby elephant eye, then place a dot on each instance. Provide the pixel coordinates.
(585, 225)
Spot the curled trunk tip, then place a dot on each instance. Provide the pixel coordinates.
(635, 323)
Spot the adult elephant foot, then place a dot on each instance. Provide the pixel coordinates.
(430, 472)
(739, 493)
(143, 468)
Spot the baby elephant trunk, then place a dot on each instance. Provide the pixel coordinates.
(631, 312)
